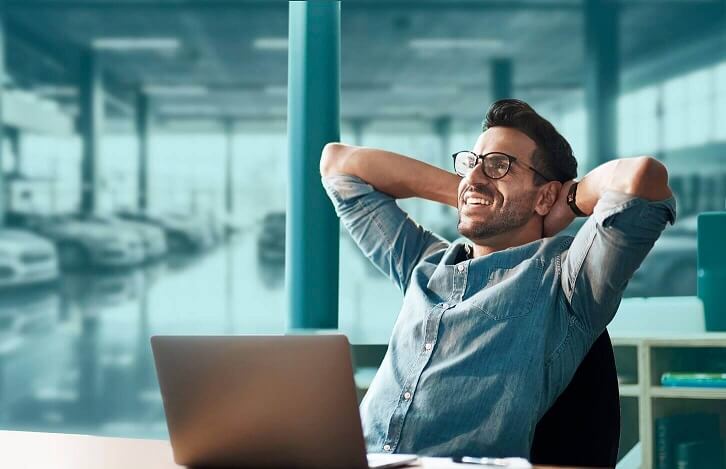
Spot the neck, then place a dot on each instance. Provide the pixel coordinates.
(527, 233)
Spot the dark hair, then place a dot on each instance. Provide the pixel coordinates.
(553, 156)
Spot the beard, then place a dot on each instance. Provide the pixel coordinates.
(507, 218)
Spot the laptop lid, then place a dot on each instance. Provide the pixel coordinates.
(260, 401)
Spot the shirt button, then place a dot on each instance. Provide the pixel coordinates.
(428, 346)
(460, 267)
(407, 395)
(386, 447)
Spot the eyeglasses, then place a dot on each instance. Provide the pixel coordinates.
(495, 165)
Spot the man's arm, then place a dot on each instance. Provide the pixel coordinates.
(363, 184)
(630, 204)
(399, 176)
(643, 177)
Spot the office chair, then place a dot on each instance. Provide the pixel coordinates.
(582, 428)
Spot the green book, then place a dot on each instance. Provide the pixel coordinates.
(699, 380)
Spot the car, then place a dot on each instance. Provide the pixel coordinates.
(183, 235)
(271, 240)
(153, 237)
(84, 244)
(208, 230)
(26, 259)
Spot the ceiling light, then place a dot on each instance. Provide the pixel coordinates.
(179, 90)
(400, 110)
(450, 43)
(162, 44)
(270, 43)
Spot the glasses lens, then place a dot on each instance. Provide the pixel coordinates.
(496, 165)
(463, 162)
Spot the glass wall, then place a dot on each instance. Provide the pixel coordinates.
(81, 291)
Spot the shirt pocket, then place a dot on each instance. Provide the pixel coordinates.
(510, 292)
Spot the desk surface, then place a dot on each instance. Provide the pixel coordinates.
(29, 450)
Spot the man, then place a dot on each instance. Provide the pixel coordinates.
(490, 333)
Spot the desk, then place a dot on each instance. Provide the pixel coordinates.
(28, 450)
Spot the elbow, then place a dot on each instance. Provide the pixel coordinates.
(331, 158)
(649, 179)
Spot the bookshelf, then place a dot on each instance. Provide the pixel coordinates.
(642, 359)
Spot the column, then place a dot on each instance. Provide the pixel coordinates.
(601, 80)
(312, 233)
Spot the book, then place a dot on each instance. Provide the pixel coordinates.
(698, 380)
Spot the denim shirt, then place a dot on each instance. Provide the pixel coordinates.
(482, 347)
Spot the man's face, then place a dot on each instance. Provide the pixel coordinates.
(509, 202)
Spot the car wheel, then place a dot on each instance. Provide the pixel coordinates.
(72, 256)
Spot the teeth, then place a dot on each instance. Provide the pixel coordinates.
(477, 201)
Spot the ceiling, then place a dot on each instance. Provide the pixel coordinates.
(382, 75)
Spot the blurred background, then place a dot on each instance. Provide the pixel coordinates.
(144, 169)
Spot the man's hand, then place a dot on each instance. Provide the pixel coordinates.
(643, 177)
(560, 215)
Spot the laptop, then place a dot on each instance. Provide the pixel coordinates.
(263, 402)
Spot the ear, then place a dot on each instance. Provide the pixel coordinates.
(547, 196)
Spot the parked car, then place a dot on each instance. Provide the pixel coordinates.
(153, 237)
(82, 244)
(271, 240)
(208, 231)
(182, 235)
(26, 259)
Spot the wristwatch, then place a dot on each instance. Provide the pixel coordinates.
(571, 194)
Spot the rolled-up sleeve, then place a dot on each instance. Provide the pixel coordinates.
(385, 233)
(606, 252)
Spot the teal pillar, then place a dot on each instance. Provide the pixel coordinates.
(3, 186)
(601, 79)
(312, 232)
(142, 135)
(91, 123)
(501, 79)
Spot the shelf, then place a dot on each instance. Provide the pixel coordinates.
(703, 339)
(629, 390)
(688, 393)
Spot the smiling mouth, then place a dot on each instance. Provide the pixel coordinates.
(474, 199)
(477, 201)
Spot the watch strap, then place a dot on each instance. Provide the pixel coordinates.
(571, 201)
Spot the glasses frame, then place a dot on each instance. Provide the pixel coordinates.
(511, 159)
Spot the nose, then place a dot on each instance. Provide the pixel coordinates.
(476, 175)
